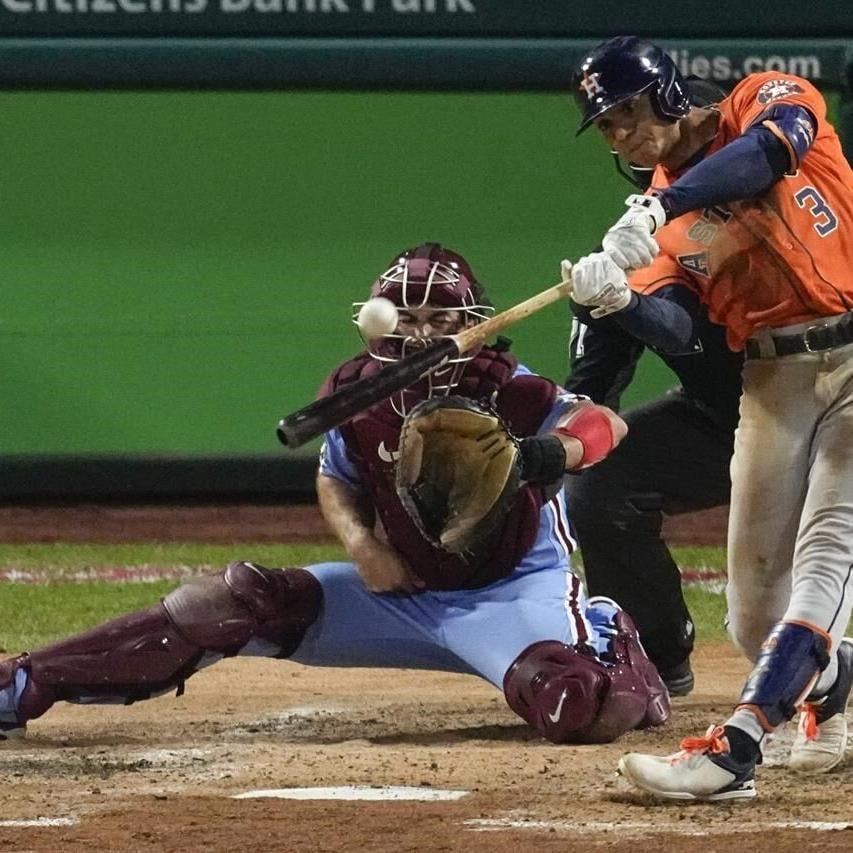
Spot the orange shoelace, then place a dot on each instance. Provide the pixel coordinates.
(809, 721)
(714, 741)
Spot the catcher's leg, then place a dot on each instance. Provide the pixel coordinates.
(246, 608)
(570, 695)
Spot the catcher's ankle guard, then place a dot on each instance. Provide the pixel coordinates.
(790, 659)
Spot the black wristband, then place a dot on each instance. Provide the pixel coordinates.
(543, 459)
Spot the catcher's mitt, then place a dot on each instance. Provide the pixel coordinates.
(458, 471)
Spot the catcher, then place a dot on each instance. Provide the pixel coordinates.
(447, 499)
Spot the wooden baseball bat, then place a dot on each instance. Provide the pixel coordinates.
(324, 414)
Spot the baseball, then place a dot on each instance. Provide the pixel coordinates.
(377, 317)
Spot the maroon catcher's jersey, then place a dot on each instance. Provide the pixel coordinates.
(372, 438)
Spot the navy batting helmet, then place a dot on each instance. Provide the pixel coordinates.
(625, 66)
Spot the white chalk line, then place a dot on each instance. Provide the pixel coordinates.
(354, 792)
(639, 828)
(42, 821)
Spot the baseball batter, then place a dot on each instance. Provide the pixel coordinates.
(675, 459)
(423, 587)
(751, 209)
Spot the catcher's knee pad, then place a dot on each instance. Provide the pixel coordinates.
(569, 696)
(155, 650)
(790, 659)
(223, 612)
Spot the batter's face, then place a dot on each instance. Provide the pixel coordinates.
(633, 130)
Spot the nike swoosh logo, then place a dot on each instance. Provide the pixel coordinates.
(559, 709)
(388, 455)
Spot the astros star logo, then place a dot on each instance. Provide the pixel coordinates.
(590, 84)
(775, 89)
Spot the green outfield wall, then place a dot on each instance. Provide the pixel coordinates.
(178, 267)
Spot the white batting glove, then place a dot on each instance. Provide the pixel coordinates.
(629, 242)
(599, 282)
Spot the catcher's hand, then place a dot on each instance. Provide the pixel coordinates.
(460, 468)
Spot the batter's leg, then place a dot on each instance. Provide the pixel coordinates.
(822, 592)
(769, 478)
(801, 653)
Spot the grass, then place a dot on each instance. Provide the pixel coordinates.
(34, 614)
(62, 557)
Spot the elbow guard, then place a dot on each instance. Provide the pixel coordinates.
(591, 427)
(794, 127)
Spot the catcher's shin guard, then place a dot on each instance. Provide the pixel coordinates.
(568, 695)
(790, 660)
(633, 670)
(155, 650)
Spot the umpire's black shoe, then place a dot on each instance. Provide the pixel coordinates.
(679, 679)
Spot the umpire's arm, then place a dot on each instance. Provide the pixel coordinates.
(602, 358)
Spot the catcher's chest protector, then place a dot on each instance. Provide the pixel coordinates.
(372, 439)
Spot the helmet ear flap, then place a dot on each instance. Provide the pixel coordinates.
(670, 98)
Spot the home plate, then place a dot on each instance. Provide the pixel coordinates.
(354, 792)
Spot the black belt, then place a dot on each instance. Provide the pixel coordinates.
(816, 338)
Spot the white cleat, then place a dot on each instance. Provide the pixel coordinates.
(821, 739)
(703, 770)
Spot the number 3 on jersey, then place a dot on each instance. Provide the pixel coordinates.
(812, 200)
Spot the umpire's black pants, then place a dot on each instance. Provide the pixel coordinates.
(674, 459)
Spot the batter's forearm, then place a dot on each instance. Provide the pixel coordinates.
(658, 323)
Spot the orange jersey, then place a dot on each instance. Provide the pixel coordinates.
(785, 257)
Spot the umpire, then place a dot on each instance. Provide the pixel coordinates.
(674, 460)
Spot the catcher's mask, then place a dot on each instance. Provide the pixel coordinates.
(427, 277)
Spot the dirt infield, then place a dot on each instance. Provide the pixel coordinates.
(162, 775)
(235, 522)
